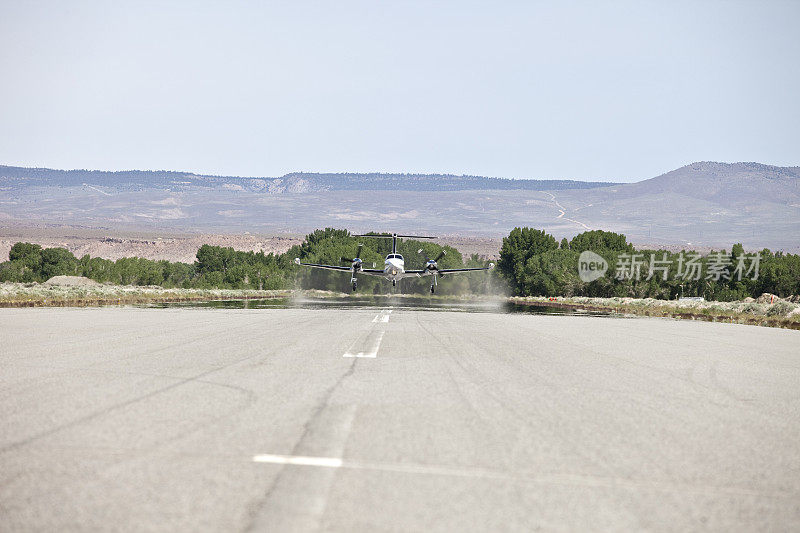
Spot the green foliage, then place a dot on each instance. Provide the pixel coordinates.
(29, 263)
(534, 268)
(600, 240)
(550, 273)
(31, 254)
(331, 246)
(58, 262)
(25, 263)
(16, 271)
(520, 245)
(531, 263)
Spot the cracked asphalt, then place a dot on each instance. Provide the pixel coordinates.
(253, 420)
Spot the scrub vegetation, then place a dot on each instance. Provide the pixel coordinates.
(766, 312)
(219, 267)
(534, 263)
(37, 294)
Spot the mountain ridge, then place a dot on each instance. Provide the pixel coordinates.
(294, 182)
(703, 204)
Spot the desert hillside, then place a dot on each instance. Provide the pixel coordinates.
(701, 205)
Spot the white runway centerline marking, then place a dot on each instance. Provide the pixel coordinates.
(383, 316)
(373, 341)
(368, 344)
(330, 462)
(578, 480)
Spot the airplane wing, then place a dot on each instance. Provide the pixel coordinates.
(442, 271)
(326, 267)
(456, 270)
(372, 271)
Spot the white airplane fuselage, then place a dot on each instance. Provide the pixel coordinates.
(394, 267)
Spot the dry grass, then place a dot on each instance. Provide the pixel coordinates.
(781, 313)
(778, 314)
(35, 294)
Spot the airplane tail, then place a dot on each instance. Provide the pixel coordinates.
(394, 237)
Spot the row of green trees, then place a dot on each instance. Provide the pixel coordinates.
(215, 267)
(534, 263)
(221, 267)
(330, 246)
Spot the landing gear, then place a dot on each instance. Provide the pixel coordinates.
(432, 288)
(394, 283)
(355, 283)
(433, 284)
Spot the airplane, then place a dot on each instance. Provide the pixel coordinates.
(394, 265)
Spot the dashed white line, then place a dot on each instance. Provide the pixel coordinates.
(330, 462)
(383, 316)
(370, 353)
(367, 346)
(335, 462)
(584, 480)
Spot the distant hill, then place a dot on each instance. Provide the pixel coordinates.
(15, 178)
(728, 184)
(701, 205)
(704, 203)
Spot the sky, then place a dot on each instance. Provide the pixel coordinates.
(612, 91)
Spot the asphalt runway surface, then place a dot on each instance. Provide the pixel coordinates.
(394, 420)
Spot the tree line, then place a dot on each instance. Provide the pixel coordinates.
(215, 267)
(224, 267)
(532, 263)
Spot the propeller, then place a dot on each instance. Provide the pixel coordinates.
(431, 264)
(355, 261)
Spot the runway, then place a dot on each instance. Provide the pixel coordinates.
(394, 420)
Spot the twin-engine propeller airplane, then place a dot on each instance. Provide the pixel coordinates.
(394, 265)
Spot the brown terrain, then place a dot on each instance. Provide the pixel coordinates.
(182, 247)
(169, 215)
(150, 245)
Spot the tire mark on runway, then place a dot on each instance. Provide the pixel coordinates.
(555, 478)
(280, 501)
(445, 348)
(113, 360)
(133, 454)
(486, 387)
(132, 401)
(107, 410)
(686, 378)
(328, 423)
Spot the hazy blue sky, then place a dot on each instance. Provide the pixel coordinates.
(622, 91)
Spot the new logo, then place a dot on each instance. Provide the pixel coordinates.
(591, 266)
